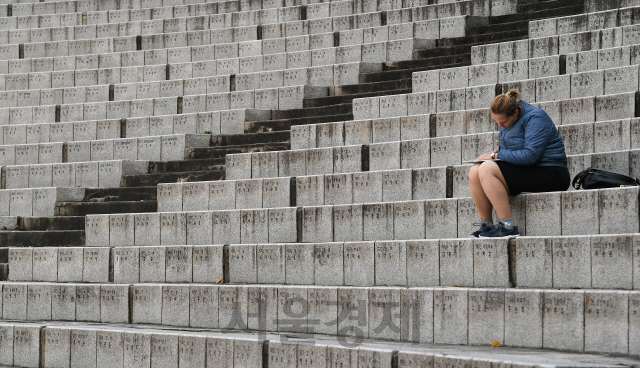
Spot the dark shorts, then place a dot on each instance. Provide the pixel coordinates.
(534, 179)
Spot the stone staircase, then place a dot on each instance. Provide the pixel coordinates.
(263, 249)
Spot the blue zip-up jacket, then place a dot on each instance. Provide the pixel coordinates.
(532, 141)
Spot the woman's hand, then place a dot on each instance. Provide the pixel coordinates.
(486, 156)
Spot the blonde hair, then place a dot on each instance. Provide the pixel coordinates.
(507, 103)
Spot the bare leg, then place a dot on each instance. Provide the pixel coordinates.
(495, 188)
(483, 205)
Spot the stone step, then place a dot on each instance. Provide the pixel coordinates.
(338, 98)
(54, 238)
(584, 212)
(170, 177)
(286, 124)
(120, 194)
(51, 223)
(91, 208)
(545, 262)
(573, 320)
(310, 112)
(249, 138)
(220, 152)
(53, 344)
(435, 63)
(205, 164)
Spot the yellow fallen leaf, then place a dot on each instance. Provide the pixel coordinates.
(219, 280)
(495, 344)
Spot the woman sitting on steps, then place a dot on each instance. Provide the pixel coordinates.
(531, 158)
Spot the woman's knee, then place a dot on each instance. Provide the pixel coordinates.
(474, 173)
(487, 168)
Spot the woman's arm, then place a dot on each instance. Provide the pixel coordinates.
(536, 137)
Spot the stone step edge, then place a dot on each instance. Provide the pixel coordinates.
(260, 348)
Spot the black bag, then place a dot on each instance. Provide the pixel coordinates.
(598, 179)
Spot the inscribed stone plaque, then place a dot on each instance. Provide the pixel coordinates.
(63, 302)
(262, 308)
(243, 267)
(534, 262)
(572, 262)
(317, 224)
(347, 159)
(247, 352)
(338, 189)
(450, 316)
(579, 212)
(173, 228)
(83, 348)
(378, 221)
(96, 264)
(423, 264)
(384, 303)
(359, 263)
(114, 303)
(88, 303)
(254, 226)
(152, 264)
(226, 227)
(384, 156)
(283, 224)
(178, 264)
(56, 347)
(486, 315)
(170, 197)
(390, 263)
(367, 187)
(20, 264)
(222, 195)
(121, 230)
(310, 190)
(563, 321)
(97, 230)
(195, 196)
(618, 210)
(293, 309)
(440, 218)
(26, 345)
(207, 263)
(175, 301)
(606, 318)
(543, 216)
(491, 263)
(45, 264)
(396, 185)
(611, 262)
(347, 223)
(271, 263)
(232, 310)
(299, 263)
(137, 349)
(203, 306)
(523, 318)
(109, 350)
(126, 264)
(456, 262)
(191, 351)
(199, 228)
(276, 192)
(416, 311)
(328, 264)
(147, 229)
(408, 220)
(164, 350)
(39, 301)
(219, 352)
(249, 194)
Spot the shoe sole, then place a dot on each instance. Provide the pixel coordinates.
(503, 236)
